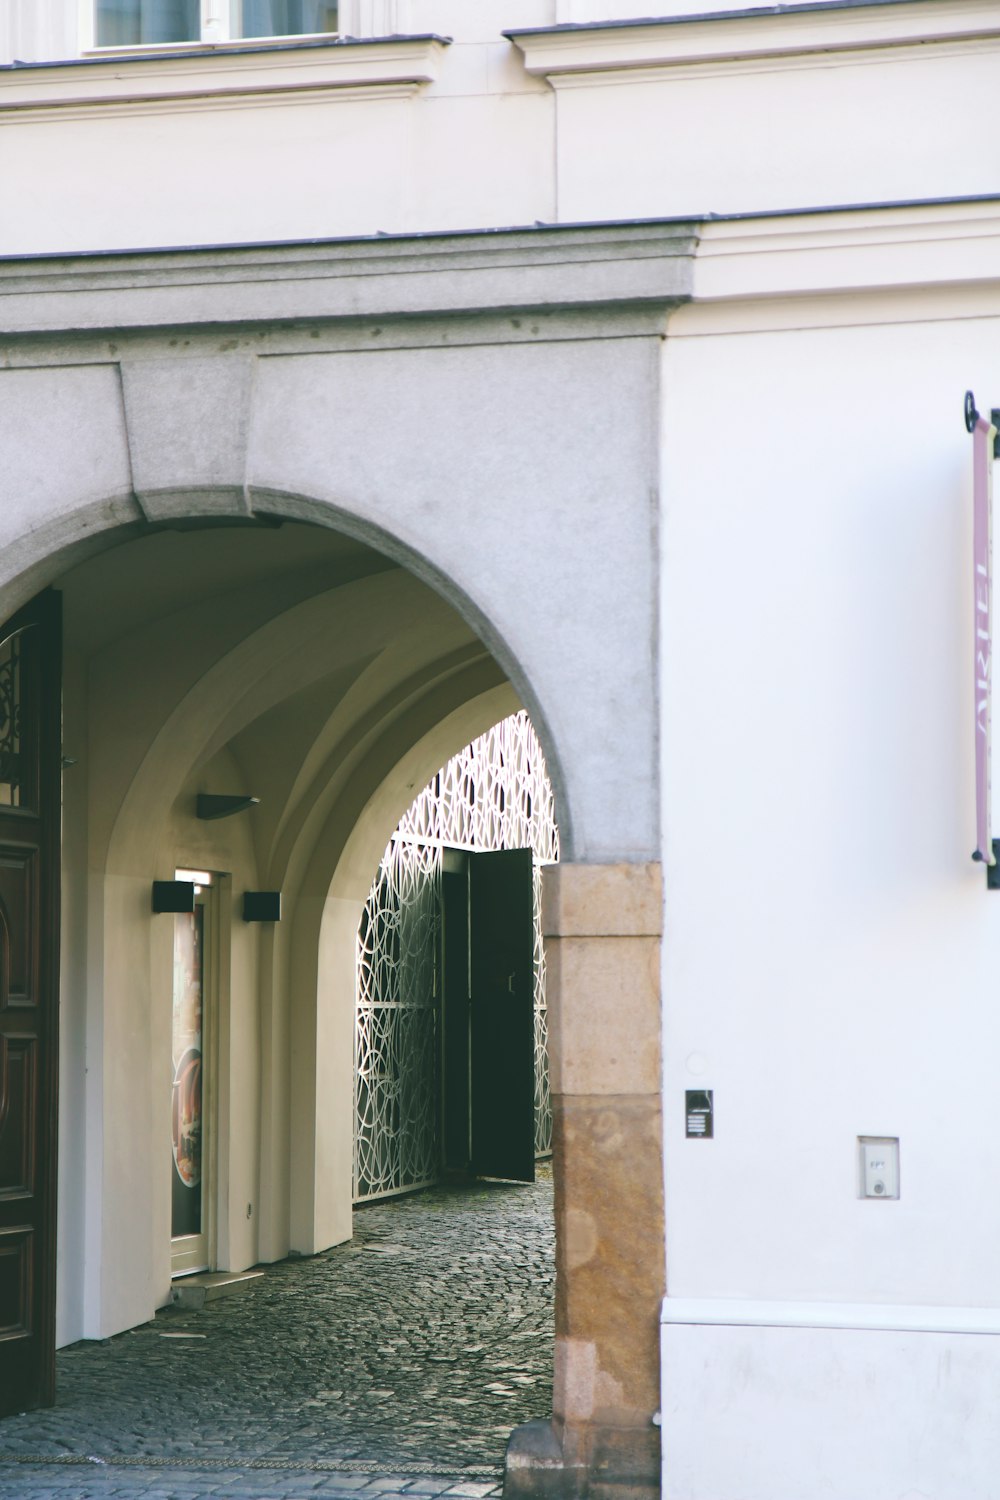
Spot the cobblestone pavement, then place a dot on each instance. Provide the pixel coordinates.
(396, 1364)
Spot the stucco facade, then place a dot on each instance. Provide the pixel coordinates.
(678, 466)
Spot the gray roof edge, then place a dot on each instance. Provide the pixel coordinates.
(207, 50)
(802, 7)
(679, 222)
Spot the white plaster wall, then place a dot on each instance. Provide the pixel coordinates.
(31, 29)
(781, 1413)
(486, 142)
(830, 947)
(474, 25)
(471, 148)
(194, 177)
(775, 134)
(595, 11)
(830, 950)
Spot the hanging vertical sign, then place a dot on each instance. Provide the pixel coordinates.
(983, 434)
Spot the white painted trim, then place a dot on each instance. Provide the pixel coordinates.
(206, 103)
(743, 37)
(860, 309)
(86, 25)
(371, 18)
(216, 16)
(773, 62)
(853, 250)
(31, 29)
(727, 1312)
(235, 72)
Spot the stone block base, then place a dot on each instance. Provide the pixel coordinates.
(592, 1463)
(535, 1469)
(602, 927)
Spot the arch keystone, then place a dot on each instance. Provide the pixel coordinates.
(188, 425)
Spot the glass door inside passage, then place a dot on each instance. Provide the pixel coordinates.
(190, 1085)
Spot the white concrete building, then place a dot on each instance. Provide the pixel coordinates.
(359, 388)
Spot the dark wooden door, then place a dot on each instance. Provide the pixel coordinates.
(501, 948)
(30, 770)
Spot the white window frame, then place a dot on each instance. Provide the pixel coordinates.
(216, 29)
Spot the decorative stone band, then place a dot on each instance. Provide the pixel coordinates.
(584, 53)
(626, 277)
(215, 77)
(731, 1312)
(602, 901)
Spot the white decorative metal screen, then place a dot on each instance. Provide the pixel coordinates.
(495, 794)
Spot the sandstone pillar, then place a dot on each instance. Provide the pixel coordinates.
(602, 927)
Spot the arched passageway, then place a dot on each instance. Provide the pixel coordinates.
(295, 667)
(158, 403)
(285, 664)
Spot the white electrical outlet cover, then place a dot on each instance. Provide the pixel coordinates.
(879, 1166)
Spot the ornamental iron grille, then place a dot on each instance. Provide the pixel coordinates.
(495, 794)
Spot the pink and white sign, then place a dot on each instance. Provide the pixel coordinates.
(982, 544)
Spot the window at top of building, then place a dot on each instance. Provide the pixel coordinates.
(130, 23)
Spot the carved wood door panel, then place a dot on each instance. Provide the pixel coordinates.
(30, 770)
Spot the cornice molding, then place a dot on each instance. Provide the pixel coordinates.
(216, 77)
(906, 262)
(549, 269)
(887, 248)
(574, 54)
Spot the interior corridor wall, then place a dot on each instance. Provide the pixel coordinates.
(120, 688)
(178, 640)
(114, 1220)
(321, 952)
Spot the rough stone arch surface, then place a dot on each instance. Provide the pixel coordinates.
(485, 409)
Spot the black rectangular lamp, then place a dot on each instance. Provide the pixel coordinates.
(262, 906)
(173, 895)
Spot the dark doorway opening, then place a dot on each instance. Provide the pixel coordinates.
(488, 1015)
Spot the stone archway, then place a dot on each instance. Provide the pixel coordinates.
(495, 429)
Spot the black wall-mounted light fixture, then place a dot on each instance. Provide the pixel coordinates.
(173, 895)
(262, 906)
(211, 805)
